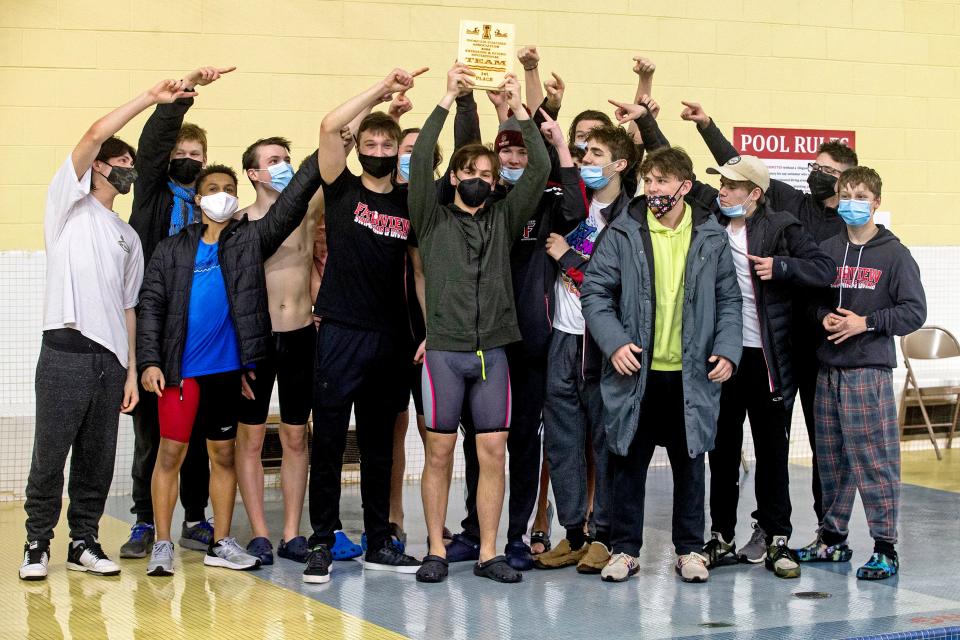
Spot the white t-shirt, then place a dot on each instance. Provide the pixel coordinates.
(94, 264)
(568, 316)
(751, 321)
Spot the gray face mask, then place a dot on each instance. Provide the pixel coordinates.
(121, 178)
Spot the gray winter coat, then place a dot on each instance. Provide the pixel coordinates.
(619, 303)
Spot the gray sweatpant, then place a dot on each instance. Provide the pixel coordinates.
(572, 412)
(78, 405)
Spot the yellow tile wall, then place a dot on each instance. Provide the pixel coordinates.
(889, 69)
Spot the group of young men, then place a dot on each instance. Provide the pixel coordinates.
(596, 289)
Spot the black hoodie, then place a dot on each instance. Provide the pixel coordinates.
(879, 279)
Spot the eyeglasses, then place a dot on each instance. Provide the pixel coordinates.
(830, 171)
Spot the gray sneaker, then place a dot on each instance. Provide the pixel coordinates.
(142, 536)
(755, 551)
(229, 554)
(161, 559)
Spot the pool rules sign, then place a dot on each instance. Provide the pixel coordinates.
(786, 152)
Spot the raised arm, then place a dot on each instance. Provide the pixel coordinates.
(720, 148)
(333, 157)
(466, 122)
(529, 188)
(644, 68)
(574, 205)
(530, 59)
(164, 92)
(422, 193)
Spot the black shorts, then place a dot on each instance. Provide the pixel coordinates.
(290, 364)
(416, 388)
(207, 403)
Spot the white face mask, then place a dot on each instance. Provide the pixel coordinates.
(219, 207)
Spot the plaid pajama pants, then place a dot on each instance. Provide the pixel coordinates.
(858, 447)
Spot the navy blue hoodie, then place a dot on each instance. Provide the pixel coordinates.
(879, 279)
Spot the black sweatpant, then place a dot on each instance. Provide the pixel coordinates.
(661, 424)
(745, 394)
(194, 473)
(806, 367)
(78, 407)
(528, 385)
(366, 370)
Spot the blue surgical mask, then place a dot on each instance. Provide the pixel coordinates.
(510, 176)
(280, 175)
(581, 144)
(593, 177)
(735, 211)
(403, 167)
(855, 213)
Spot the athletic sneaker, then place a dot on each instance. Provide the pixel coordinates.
(229, 554)
(261, 548)
(819, 551)
(756, 549)
(595, 559)
(781, 560)
(879, 567)
(296, 550)
(562, 555)
(319, 565)
(389, 558)
(142, 536)
(198, 537)
(620, 567)
(692, 567)
(161, 559)
(36, 557)
(719, 552)
(88, 556)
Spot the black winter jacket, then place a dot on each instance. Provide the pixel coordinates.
(152, 200)
(243, 247)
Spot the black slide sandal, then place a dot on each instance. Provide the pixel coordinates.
(433, 569)
(497, 570)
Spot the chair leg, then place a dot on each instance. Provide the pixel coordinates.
(926, 420)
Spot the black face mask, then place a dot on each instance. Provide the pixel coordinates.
(474, 191)
(121, 178)
(822, 186)
(377, 166)
(184, 170)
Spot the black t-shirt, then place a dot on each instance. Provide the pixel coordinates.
(367, 238)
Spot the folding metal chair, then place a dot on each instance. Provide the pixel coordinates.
(929, 343)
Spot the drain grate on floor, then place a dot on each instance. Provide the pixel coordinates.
(716, 625)
(813, 595)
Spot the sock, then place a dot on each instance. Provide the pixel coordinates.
(886, 548)
(76, 543)
(193, 523)
(576, 537)
(831, 538)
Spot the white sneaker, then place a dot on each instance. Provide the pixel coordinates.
(692, 567)
(161, 559)
(620, 567)
(229, 554)
(36, 557)
(89, 556)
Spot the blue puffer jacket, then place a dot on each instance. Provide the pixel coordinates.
(619, 302)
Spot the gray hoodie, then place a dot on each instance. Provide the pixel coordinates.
(879, 279)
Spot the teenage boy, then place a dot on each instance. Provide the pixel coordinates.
(573, 409)
(266, 163)
(363, 342)
(817, 212)
(877, 295)
(533, 276)
(87, 368)
(661, 300)
(202, 320)
(470, 315)
(172, 154)
(773, 256)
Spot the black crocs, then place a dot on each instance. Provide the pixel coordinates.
(498, 570)
(433, 569)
